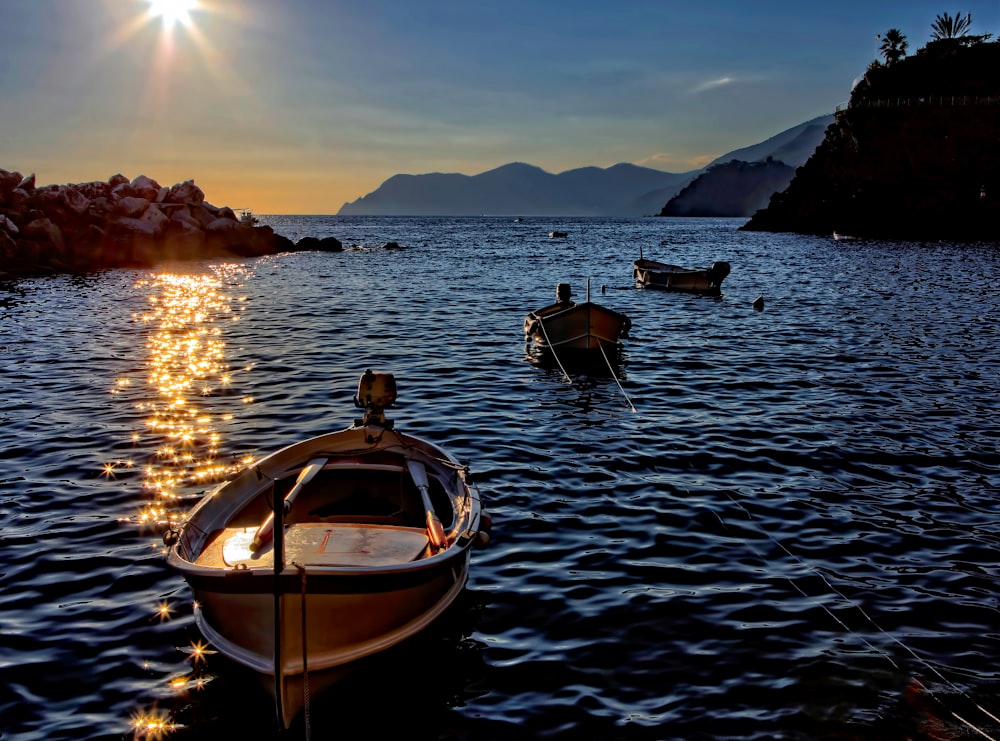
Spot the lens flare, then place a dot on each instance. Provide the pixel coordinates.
(172, 12)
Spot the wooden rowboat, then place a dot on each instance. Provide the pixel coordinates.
(655, 274)
(569, 326)
(330, 550)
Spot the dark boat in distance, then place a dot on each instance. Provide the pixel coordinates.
(655, 274)
(569, 326)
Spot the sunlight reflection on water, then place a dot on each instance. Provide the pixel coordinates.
(186, 397)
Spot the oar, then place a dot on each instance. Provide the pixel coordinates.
(435, 531)
(305, 476)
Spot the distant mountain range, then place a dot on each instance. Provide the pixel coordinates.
(526, 190)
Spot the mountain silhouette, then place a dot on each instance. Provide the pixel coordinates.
(521, 189)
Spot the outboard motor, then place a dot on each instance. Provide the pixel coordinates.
(376, 393)
(718, 272)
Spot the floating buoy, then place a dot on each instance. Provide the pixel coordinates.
(758, 303)
(485, 529)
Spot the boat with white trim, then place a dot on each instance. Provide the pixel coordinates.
(656, 274)
(569, 326)
(330, 550)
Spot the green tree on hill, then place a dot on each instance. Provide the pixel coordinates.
(948, 27)
(949, 33)
(894, 46)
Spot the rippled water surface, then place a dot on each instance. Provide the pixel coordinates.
(755, 524)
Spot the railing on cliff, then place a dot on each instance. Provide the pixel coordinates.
(923, 100)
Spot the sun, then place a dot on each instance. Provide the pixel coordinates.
(173, 11)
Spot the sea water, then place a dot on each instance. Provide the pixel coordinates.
(776, 523)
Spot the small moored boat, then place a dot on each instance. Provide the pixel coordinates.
(655, 274)
(566, 325)
(558, 235)
(246, 216)
(329, 550)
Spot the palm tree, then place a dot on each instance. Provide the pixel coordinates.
(893, 46)
(947, 27)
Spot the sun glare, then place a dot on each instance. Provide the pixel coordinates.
(173, 11)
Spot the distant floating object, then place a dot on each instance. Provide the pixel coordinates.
(246, 216)
(557, 235)
(842, 237)
(758, 303)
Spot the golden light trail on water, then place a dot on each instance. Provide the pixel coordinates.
(186, 397)
(187, 375)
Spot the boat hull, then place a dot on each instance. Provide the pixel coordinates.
(576, 327)
(350, 581)
(654, 274)
(336, 628)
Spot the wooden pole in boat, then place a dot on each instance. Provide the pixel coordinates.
(279, 566)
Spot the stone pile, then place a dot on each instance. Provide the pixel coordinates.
(90, 226)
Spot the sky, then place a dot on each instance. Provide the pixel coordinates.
(298, 106)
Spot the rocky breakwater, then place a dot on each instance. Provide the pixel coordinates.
(97, 225)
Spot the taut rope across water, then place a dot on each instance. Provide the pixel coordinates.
(867, 617)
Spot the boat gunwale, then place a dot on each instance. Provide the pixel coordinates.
(654, 266)
(461, 535)
(556, 310)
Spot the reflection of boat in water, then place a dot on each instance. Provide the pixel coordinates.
(330, 550)
(569, 326)
(655, 274)
(590, 363)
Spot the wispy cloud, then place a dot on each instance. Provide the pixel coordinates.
(713, 84)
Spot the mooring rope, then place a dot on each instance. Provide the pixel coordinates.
(615, 376)
(606, 360)
(867, 617)
(553, 349)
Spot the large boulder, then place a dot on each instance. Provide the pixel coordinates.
(186, 192)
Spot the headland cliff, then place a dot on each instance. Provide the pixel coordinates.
(914, 156)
